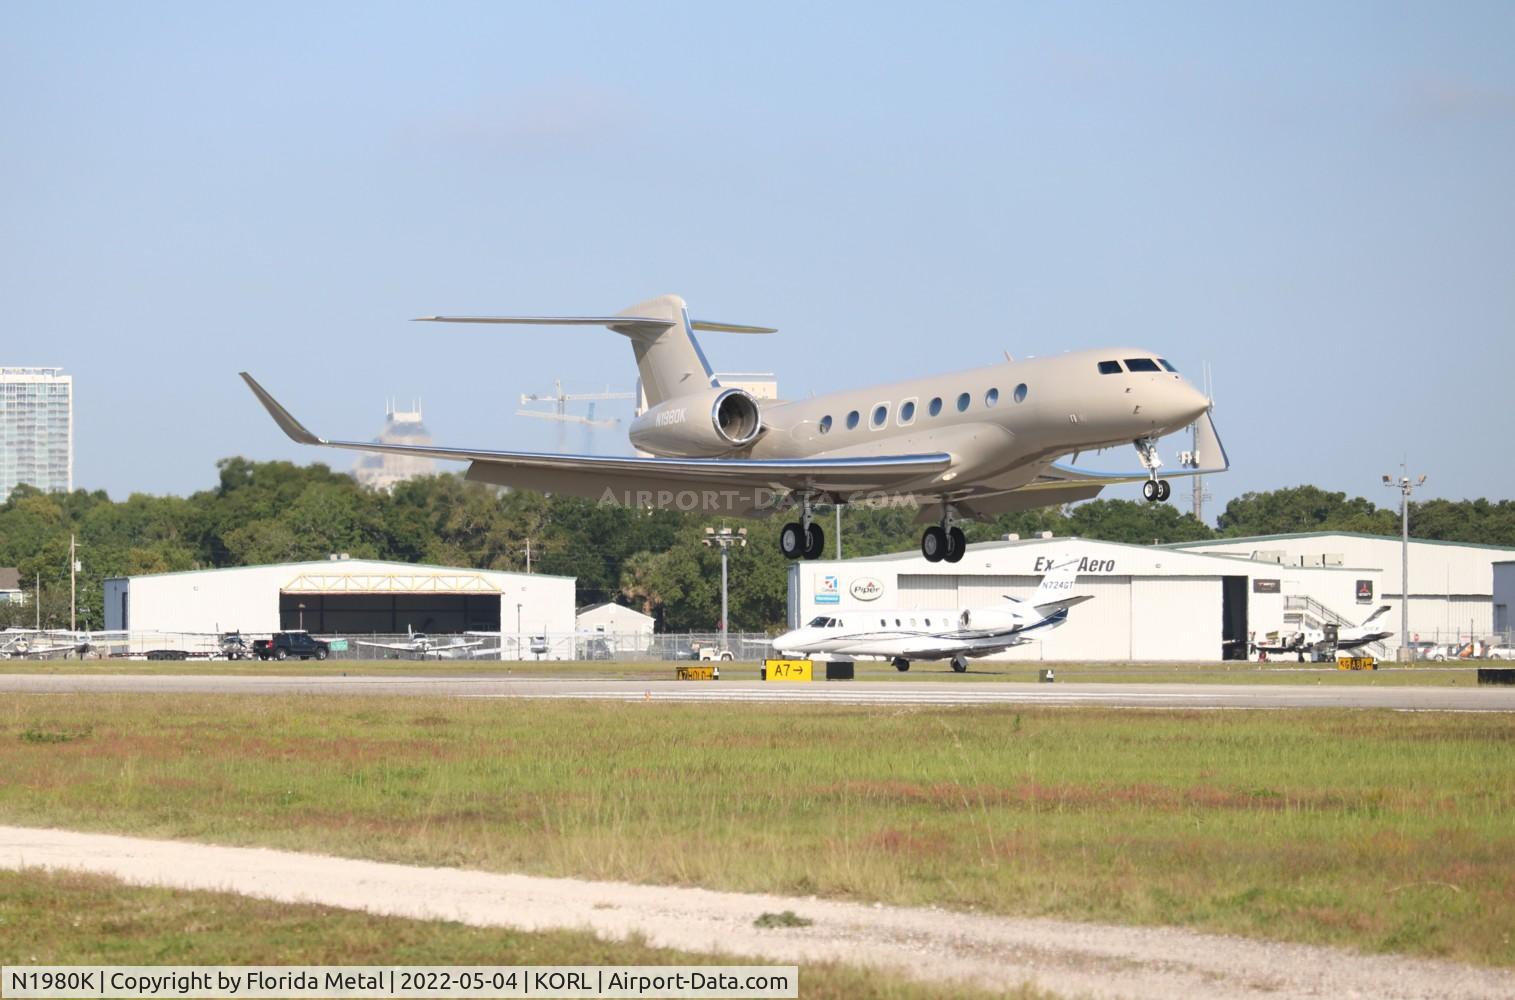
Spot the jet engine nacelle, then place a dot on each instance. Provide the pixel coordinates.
(701, 425)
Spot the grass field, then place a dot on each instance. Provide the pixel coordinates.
(1381, 831)
(51, 918)
(980, 672)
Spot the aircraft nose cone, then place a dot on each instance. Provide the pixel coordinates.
(1189, 403)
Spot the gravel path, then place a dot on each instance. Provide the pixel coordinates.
(1070, 958)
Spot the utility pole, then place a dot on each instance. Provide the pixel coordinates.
(1405, 487)
(73, 590)
(838, 532)
(725, 538)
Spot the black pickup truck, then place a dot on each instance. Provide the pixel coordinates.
(286, 644)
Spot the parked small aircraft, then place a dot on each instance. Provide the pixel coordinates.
(31, 643)
(424, 645)
(1311, 643)
(970, 444)
(903, 635)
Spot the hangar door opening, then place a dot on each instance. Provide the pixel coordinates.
(389, 613)
(1233, 601)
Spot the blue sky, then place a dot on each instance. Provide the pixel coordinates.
(1317, 199)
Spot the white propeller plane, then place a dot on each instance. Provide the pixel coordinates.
(903, 635)
(423, 645)
(1312, 642)
(968, 444)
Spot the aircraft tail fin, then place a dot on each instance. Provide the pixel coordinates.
(1056, 583)
(1382, 610)
(668, 356)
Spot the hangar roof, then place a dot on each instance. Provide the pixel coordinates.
(340, 565)
(1058, 541)
(1394, 539)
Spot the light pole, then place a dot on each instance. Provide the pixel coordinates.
(725, 538)
(1405, 487)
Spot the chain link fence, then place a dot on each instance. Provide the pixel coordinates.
(478, 646)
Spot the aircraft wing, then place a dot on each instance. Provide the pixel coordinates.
(403, 647)
(630, 480)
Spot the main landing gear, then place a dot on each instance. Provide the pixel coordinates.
(1154, 490)
(960, 663)
(803, 539)
(946, 542)
(901, 664)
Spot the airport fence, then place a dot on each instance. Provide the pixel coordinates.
(625, 647)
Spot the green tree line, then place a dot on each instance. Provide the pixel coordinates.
(655, 561)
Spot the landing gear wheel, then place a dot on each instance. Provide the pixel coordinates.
(957, 545)
(959, 664)
(1164, 491)
(934, 544)
(815, 541)
(792, 541)
(1149, 491)
(901, 664)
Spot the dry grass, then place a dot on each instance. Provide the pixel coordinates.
(1376, 830)
(49, 918)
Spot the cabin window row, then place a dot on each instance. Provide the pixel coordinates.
(825, 622)
(879, 417)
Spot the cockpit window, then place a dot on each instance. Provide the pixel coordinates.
(818, 622)
(1142, 365)
(1109, 367)
(1167, 367)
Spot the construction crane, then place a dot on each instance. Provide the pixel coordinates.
(560, 400)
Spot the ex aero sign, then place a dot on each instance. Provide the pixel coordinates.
(866, 588)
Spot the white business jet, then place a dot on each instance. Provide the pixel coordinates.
(903, 635)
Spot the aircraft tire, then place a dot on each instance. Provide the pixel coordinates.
(934, 544)
(959, 665)
(957, 545)
(901, 664)
(815, 542)
(1164, 490)
(1149, 491)
(792, 540)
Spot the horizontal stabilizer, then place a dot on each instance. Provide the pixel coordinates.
(1062, 604)
(632, 324)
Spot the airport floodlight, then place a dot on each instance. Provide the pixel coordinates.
(1405, 487)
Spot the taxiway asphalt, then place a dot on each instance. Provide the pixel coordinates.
(1151, 696)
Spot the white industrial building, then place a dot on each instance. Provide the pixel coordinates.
(1179, 602)
(349, 596)
(624, 629)
(1452, 584)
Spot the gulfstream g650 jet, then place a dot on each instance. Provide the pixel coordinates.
(972, 443)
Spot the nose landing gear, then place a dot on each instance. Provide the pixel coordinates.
(1154, 490)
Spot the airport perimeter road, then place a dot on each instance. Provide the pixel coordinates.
(1077, 959)
(1198, 696)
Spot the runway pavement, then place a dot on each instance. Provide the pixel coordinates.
(945, 692)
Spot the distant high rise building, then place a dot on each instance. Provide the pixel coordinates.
(383, 471)
(36, 429)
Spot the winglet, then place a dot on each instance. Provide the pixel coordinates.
(287, 423)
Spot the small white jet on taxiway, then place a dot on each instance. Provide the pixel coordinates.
(906, 634)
